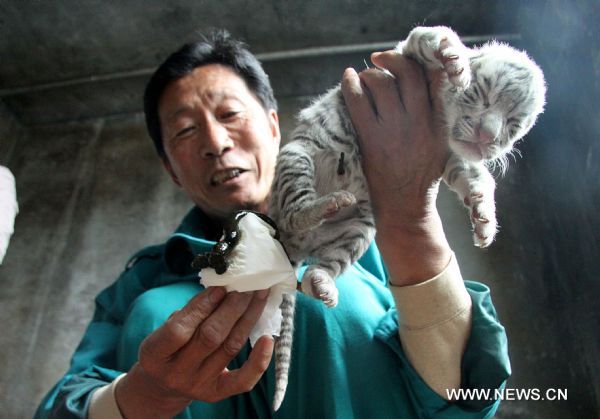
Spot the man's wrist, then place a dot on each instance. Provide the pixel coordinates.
(138, 396)
(414, 250)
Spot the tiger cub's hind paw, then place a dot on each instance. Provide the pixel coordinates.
(318, 284)
(483, 219)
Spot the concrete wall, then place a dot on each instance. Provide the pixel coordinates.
(10, 131)
(81, 189)
(105, 45)
(92, 192)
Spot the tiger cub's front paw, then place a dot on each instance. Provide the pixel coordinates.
(437, 47)
(332, 203)
(314, 213)
(453, 55)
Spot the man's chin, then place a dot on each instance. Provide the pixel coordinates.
(226, 209)
(254, 202)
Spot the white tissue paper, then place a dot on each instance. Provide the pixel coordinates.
(257, 262)
(8, 208)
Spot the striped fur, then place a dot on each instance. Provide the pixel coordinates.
(283, 355)
(320, 200)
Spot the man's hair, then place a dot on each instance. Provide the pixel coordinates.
(218, 47)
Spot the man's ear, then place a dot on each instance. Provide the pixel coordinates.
(274, 123)
(167, 165)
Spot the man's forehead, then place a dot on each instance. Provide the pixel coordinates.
(214, 81)
(210, 84)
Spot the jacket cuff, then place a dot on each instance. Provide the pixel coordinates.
(434, 319)
(103, 404)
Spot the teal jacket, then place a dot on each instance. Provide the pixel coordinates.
(347, 362)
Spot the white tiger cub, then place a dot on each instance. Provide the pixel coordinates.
(320, 200)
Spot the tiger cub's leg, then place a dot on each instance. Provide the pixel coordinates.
(475, 186)
(341, 248)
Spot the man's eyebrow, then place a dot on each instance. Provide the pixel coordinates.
(173, 115)
(214, 96)
(219, 96)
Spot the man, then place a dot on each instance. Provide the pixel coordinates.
(159, 345)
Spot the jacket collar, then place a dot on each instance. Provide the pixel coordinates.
(190, 238)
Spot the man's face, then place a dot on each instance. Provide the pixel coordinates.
(220, 143)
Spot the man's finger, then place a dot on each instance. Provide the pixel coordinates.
(385, 94)
(177, 331)
(199, 353)
(436, 80)
(357, 100)
(211, 334)
(241, 331)
(245, 378)
(235, 341)
(410, 78)
(392, 61)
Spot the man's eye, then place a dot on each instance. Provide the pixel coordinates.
(185, 131)
(229, 114)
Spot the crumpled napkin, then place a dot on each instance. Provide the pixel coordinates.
(257, 262)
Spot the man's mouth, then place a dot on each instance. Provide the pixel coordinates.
(225, 175)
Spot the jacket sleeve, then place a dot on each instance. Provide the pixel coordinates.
(434, 325)
(447, 334)
(94, 363)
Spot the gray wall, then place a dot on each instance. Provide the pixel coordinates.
(91, 191)
(103, 49)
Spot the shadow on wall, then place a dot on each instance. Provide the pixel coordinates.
(551, 233)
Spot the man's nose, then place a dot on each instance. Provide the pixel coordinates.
(216, 140)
